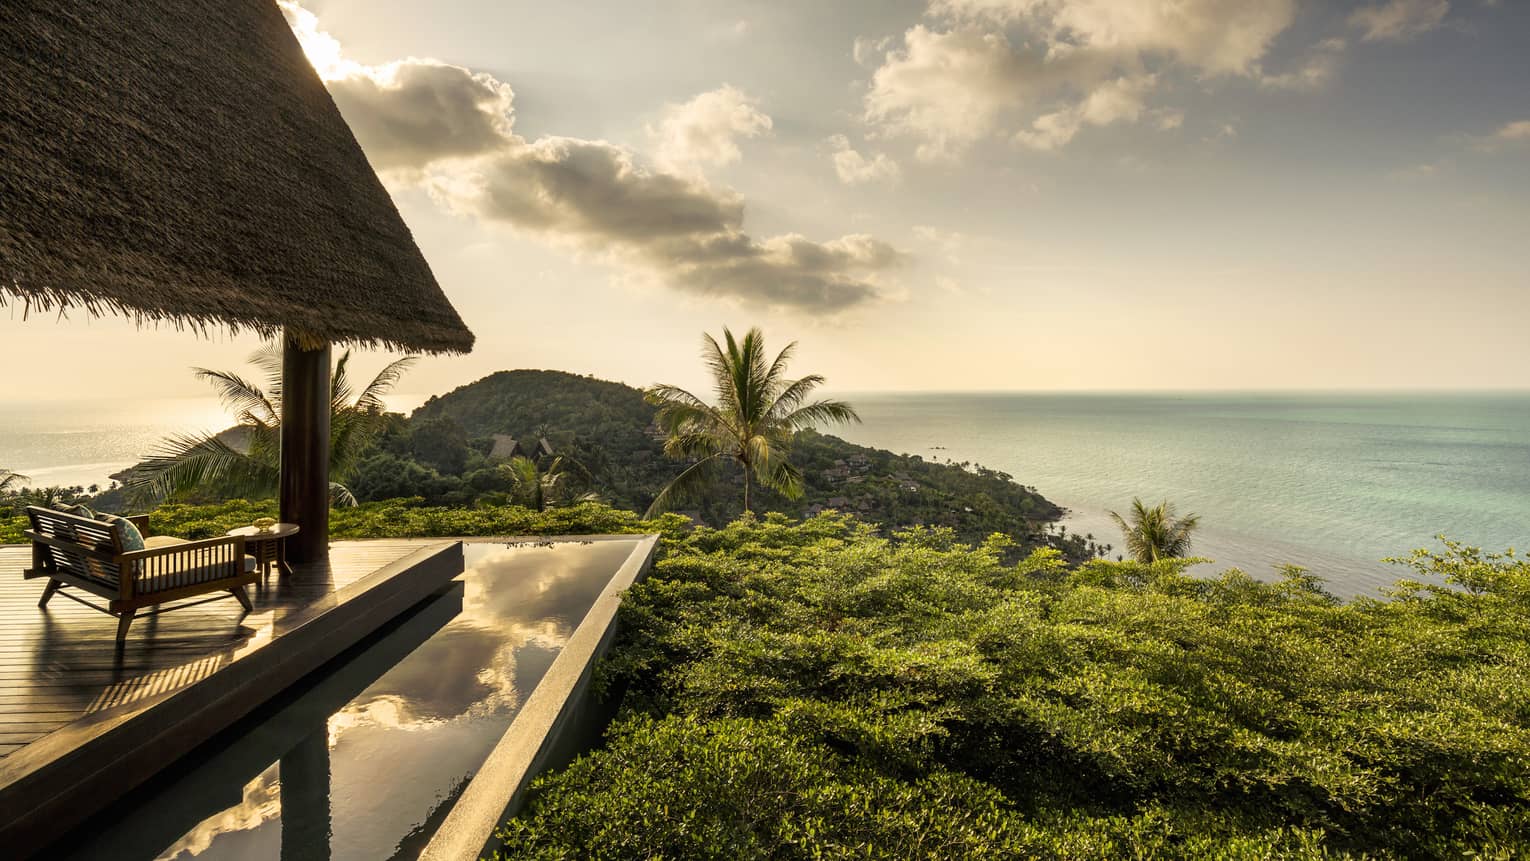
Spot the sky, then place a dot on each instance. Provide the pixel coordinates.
(940, 195)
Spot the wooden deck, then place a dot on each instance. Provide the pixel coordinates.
(67, 692)
(61, 664)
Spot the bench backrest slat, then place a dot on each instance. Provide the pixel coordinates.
(77, 534)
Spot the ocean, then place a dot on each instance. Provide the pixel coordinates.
(1333, 482)
(69, 443)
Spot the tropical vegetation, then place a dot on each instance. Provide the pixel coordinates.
(443, 453)
(1154, 533)
(10, 481)
(817, 690)
(246, 460)
(612, 446)
(395, 518)
(540, 488)
(757, 414)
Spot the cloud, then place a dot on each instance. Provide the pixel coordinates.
(957, 79)
(947, 89)
(852, 168)
(1508, 136)
(1399, 20)
(1418, 172)
(1120, 100)
(413, 112)
(704, 132)
(452, 130)
(1169, 119)
(593, 196)
(1227, 131)
(949, 242)
(1212, 36)
(1315, 72)
(866, 51)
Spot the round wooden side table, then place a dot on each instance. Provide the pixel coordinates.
(269, 548)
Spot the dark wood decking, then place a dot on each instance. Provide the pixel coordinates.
(82, 723)
(61, 664)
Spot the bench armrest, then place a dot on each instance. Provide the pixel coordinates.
(179, 566)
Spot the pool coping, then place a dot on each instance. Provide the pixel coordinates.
(561, 702)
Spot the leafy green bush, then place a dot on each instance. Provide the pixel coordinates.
(781, 677)
(397, 518)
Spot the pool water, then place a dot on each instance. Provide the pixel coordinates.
(363, 759)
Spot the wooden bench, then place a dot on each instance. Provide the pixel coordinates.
(87, 554)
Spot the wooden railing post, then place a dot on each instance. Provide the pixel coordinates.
(305, 447)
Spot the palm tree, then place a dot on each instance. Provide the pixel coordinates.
(538, 488)
(9, 480)
(758, 411)
(248, 462)
(1155, 533)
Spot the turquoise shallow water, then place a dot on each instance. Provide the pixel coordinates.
(1334, 482)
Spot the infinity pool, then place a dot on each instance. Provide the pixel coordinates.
(364, 759)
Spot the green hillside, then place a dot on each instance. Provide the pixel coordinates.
(609, 429)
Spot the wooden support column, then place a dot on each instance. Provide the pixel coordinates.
(305, 449)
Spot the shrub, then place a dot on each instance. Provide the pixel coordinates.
(916, 688)
(397, 518)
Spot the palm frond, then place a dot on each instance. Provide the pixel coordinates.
(269, 360)
(753, 375)
(240, 396)
(340, 384)
(10, 479)
(692, 480)
(188, 461)
(776, 376)
(340, 496)
(371, 397)
(689, 445)
(722, 367)
(1154, 533)
(793, 394)
(679, 409)
(821, 412)
(784, 478)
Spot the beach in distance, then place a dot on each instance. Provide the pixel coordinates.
(1334, 482)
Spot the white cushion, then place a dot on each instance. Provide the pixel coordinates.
(159, 541)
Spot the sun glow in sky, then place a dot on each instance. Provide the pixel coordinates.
(953, 194)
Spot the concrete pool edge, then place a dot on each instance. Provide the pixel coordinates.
(537, 737)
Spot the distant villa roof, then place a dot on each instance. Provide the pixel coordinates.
(505, 446)
(181, 161)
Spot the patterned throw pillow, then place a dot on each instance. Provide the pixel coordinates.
(129, 538)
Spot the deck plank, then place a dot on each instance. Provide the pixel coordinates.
(61, 664)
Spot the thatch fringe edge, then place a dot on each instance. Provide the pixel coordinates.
(47, 300)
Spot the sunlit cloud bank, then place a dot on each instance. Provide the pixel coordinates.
(452, 131)
(1039, 72)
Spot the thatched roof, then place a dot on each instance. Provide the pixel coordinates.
(180, 161)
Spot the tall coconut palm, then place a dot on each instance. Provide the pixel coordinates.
(246, 461)
(1155, 533)
(538, 488)
(758, 411)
